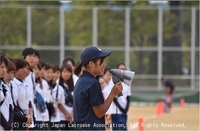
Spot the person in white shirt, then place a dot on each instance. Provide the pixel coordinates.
(31, 56)
(30, 92)
(4, 96)
(121, 105)
(107, 84)
(42, 118)
(67, 82)
(43, 65)
(9, 75)
(56, 72)
(20, 92)
(3, 69)
(55, 98)
(70, 61)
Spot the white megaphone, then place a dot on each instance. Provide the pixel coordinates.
(122, 75)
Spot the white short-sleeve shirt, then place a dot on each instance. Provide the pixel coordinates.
(4, 108)
(60, 100)
(106, 91)
(69, 109)
(122, 100)
(45, 115)
(75, 78)
(21, 94)
(29, 82)
(7, 100)
(1, 92)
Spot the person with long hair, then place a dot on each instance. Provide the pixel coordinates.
(66, 81)
(8, 77)
(121, 104)
(42, 118)
(3, 69)
(70, 61)
(56, 98)
(89, 105)
(51, 101)
(106, 89)
(4, 96)
(43, 65)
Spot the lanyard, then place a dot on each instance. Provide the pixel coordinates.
(33, 82)
(56, 93)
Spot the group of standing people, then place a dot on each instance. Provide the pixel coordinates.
(36, 95)
(116, 116)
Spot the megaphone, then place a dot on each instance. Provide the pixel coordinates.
(122, 75)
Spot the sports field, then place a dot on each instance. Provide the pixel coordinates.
(181, 118)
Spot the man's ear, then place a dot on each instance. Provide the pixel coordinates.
(23, 57)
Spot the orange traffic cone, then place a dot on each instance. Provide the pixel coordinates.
(140, 124)
(159, 108)
(182, 102)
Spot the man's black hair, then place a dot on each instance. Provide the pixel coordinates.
(37, 53)
(29, 51)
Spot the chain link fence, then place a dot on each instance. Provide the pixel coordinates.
(154, 42)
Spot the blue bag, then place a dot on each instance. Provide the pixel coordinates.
(68, 98)
(39, 101)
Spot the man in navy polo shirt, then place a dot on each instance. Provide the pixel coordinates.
(89, 105)
(169, 90)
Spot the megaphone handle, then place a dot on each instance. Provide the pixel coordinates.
(115, 80)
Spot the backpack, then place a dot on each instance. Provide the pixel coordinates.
(39, 101)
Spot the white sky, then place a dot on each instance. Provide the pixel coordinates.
(65, 1)
(151, 1)
(158, 1)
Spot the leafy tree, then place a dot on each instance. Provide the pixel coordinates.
(111, 27)
(195, 4)
(13, 25)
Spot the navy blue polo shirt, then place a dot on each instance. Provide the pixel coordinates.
(169, 85)
(87, 93)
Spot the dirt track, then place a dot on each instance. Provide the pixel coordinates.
(186, 118)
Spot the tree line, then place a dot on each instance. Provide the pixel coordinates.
(111, 30)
